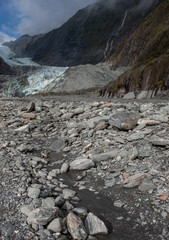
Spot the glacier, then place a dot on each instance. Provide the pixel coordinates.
(45, 80)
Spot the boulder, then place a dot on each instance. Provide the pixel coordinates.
(76, 227)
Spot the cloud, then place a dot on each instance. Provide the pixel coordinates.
(5, 38)
(41, 16)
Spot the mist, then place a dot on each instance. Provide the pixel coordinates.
(41, 16)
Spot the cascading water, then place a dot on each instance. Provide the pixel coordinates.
(109, 44)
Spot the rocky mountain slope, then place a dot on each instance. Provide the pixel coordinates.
(146, 52)
(90, 36)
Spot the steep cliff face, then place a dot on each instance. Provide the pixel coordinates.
(90, 36)
(5, 69)
(146, 52)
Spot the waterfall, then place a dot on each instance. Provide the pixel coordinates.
(109, 44)
(124, 19)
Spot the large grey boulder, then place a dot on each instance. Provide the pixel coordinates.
(42, 216)
(124, 120)
(95, 225)
(76, 227)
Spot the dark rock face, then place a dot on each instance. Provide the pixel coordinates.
(5, 68)
(90, 36)
(146, 53)
(18, 46)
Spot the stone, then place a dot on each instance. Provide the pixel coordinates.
(161, 142)
(22, 148)
(94, 121)
(33, 192)
(30, 107)
(101, 126)
(57, 145)
(95, 225)
(129, 95)
(59, 201)
(26, 209)
(68, 193)
(48, 202)
(80, 211)
(28, 116)
(160, 118)
(22, 129)
(75, 227)
(110, 183)
(145, 150)
(134, 153)
(135, 136)
(67, 116)
(104, 156)
(142, 95)
(64, 168)
(42, 216)
(147, 122)
(118, 203)
(147, 185)
(123, 120)
(56, 225)
(81, 164)
(134, 181)
(146, 107)
(78, 111)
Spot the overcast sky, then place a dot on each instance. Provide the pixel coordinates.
(18, 17)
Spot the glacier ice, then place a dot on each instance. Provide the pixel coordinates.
(45, 80)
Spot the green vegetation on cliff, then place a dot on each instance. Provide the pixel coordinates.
(146, 52)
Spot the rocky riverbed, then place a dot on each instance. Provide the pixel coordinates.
(74, 168)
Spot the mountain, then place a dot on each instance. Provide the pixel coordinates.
(87, 36)
(5, 69)
(146, 53)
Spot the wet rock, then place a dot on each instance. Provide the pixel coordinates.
(42, 215)
(134, 181)
(55, 225)
(81, 164)
(76, 227)
(95, 225)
